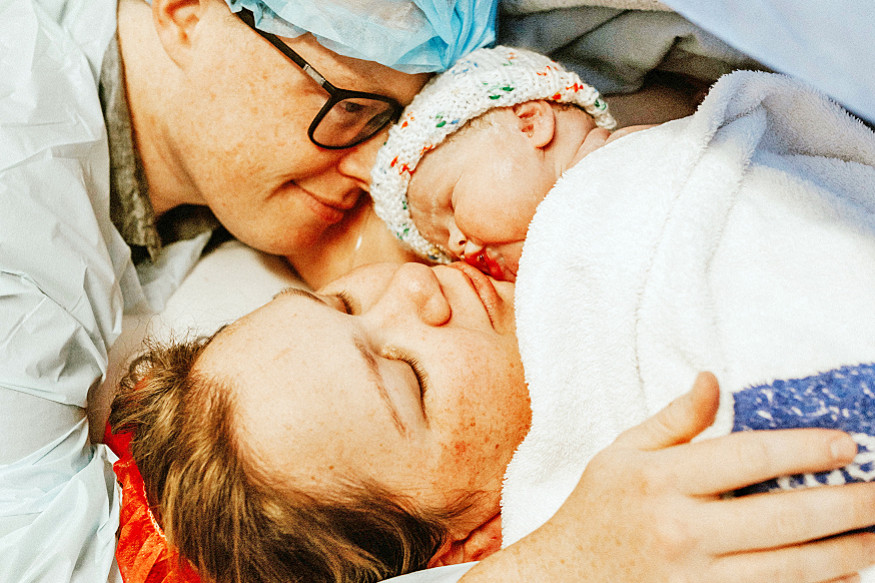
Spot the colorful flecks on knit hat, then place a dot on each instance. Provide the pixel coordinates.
(483, 80)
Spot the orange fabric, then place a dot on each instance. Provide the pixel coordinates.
(143, 554)
(119, 443)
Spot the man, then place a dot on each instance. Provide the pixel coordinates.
(116, 119)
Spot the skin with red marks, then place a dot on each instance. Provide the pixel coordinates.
(328, 394)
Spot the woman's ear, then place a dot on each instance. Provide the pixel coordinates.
(537, 121)
(175, 22)
(475, 545)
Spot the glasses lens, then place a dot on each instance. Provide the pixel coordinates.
(352, 121)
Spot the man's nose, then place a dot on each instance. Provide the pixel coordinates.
(356, 162)
(414, 292)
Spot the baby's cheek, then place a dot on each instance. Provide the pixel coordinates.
(426, 216)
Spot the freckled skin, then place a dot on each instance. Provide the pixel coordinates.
(221, 119)
(329, 422)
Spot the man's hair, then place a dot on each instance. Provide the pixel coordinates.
(231, 520)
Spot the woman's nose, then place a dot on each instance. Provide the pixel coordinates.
(414, 292)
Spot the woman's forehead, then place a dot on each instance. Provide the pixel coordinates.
(278, 326)
(300, 380)
(275, 353)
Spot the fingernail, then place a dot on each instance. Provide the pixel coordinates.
(844, 448)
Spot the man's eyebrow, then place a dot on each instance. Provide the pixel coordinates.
(376, 377)
(367, 355)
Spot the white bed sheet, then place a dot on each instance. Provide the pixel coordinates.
(225, 285)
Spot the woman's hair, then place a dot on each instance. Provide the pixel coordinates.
(232, 520)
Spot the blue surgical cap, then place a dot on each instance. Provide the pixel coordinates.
(413, 36)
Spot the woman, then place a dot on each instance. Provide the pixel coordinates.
(382, 413)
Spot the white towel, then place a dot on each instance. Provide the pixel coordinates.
(739, 240)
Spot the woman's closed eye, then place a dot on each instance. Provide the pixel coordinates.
(346, 303)
(419, 373)
(416, 368)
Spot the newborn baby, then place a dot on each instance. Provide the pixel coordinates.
(478, 149)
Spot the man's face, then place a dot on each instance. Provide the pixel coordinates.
(243, 134)
(406, 375)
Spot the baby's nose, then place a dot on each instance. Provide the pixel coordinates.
(470, 249)
(456, 242)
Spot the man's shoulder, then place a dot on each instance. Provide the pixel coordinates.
(49, 76)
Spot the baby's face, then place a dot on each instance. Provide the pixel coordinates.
(475, 195)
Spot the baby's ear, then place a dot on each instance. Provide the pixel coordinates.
(537, 121)
(475, 545)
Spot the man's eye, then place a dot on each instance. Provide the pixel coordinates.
(352, 107)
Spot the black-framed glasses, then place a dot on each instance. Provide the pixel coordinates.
(348, 117)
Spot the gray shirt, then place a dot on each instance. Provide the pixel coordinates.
(131, 209)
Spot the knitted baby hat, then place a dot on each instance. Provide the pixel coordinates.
(485, 79)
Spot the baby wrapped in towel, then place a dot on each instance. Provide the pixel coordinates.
(739, 240)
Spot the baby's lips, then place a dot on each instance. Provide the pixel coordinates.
(487, 264)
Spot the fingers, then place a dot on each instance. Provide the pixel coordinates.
(680, 421)
(779, 519)
(830, 559)
(720, 465)
(714, 466)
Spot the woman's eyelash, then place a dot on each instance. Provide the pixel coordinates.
(346, 302)
(393, 353)
(418, 372)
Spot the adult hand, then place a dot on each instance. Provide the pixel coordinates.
(649, 508)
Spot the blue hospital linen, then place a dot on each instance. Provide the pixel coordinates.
(827, 44)
(842, 398)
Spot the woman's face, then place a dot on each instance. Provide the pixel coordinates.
(243, 134)
(403, 374)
